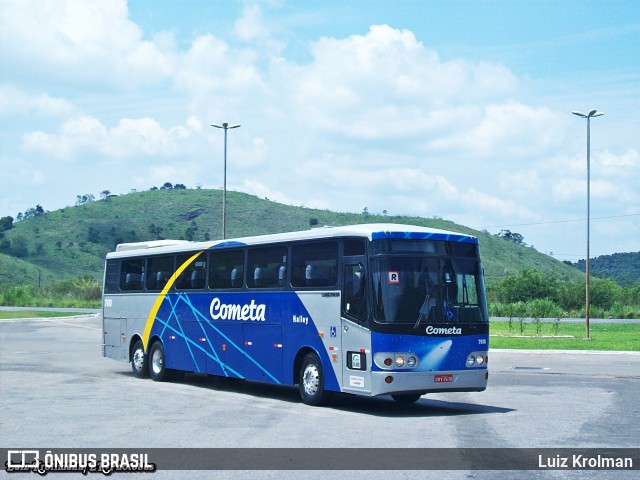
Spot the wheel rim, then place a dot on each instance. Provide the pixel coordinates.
(311, 379)
(157, 362)
(138, 359)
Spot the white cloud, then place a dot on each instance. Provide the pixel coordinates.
(250, 25)
(619, 164)
(15, 102)
(376, 119)
(72, 42)
(507, 130)
(130, 137)
(386, 84)
(212, 68)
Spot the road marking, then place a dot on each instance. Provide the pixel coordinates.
(48, 320)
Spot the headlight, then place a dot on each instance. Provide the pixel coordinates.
(471, 361)
(477, 359)
(396, 360)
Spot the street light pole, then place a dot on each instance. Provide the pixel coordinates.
(225, 126)
(592, 113)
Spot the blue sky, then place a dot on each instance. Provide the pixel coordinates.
(456, 109)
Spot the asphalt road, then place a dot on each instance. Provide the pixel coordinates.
(57, 391)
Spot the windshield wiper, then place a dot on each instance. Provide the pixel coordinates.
(425, 310)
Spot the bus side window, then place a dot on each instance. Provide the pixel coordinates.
(194, 276)
(111, 277)
(354, 299)
(314, 265)
(263, 267)
(159, 271)
(131, 274)
(226, 269)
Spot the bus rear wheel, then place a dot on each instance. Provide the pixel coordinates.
(157, 368)
(311, 380)
(406, 398)
(139, 362)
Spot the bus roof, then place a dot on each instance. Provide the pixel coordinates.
(371, 231)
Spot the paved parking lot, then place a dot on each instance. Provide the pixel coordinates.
(57, 391)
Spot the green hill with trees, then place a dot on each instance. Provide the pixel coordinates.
(624, 268)
(57, 258)
(73, 241)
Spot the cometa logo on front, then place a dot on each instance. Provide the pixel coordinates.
(247, 312)
(431, 330)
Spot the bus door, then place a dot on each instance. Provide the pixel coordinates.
(356, 337)
(263, 349)
(227, 358)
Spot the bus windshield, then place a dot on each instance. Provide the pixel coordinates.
(427, 290)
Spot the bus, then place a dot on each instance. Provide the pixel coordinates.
(372, 309)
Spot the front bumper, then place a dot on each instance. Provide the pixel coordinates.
(426, 382)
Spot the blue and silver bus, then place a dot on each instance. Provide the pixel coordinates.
(377, 309)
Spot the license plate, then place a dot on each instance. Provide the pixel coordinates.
(443, 378)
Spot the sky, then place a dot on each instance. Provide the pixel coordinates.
(452, 109)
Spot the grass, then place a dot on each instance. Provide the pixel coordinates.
(5, 314)
(603, 336)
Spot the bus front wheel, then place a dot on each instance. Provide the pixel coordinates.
(157, 368)
(311, 381)
(139, 363)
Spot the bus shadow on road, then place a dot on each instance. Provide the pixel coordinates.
(383, 406)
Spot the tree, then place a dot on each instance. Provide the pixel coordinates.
(105, 194)
(6, 223)
(513, 237)
(19, 246)
(167, 186)
(86, 198)
(527, 284)
(179, 186)
(93, 235)
(155, 230)
(190, 232)
(34, 212)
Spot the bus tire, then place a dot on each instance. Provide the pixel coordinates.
(139, 361)
(406, 398)
(311, 380)
(157, 368)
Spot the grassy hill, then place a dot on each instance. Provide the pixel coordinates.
(624, 268)
(73, 241)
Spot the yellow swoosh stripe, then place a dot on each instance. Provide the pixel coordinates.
(156, 306)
